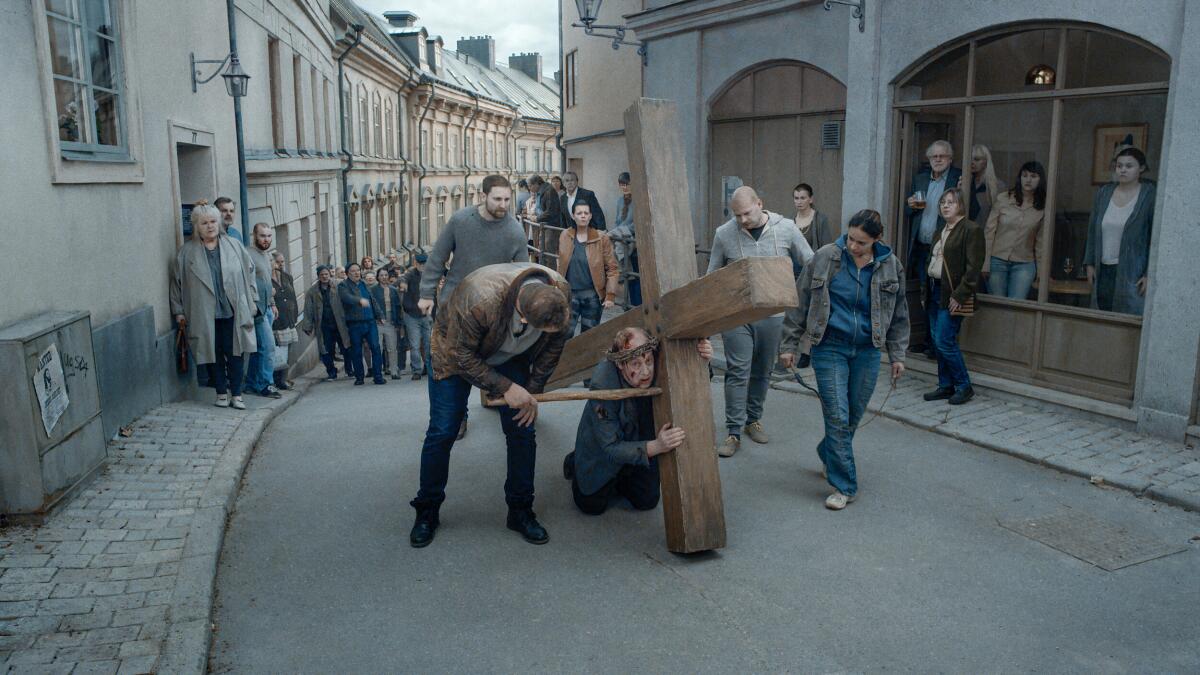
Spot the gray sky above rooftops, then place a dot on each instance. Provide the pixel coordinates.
(517, 25)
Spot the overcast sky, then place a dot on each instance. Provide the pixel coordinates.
(522, 26)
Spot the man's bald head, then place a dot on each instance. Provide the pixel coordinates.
(747, 208)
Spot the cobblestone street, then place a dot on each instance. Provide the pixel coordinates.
(119, 580)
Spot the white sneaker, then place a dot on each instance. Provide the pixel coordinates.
(222, 401)
(237, 403)
(838, 501)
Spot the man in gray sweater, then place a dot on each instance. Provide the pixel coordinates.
(476, 236)
(751, 349)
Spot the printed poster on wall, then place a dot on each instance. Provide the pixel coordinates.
(50, 386)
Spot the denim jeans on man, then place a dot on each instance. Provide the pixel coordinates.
(416, 330)
(952, 369)
(750, 353)
(261, 368)
(447, 407)
(586, 309)
(1011, 279)
(367, 331)
(846, 375)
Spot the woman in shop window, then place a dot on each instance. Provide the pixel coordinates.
(984, 184)
(1014, 234)
(1117, 256)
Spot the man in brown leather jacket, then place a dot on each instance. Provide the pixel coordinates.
(502, 330)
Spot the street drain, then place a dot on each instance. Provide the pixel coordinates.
(1105, 545)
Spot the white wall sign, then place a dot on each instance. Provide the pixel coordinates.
(50, 387)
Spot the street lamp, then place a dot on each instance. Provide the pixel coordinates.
(589, 11)
(236, 79)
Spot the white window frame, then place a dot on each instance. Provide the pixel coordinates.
(72, 164)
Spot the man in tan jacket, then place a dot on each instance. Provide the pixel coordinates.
(502, 330)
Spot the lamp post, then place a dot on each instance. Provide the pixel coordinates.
(589, 12)
(237, 83)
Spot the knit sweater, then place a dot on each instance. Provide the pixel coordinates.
(475, 242)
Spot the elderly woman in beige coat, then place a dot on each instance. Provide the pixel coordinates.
(212, 296)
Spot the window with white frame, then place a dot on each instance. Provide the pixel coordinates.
(348, 118)
(364, 122)
(522, 156)
(492, 153)
(389, 131)
(454, 158)
(377, 113)
(441, 148)
(537, 159)
(441, 216)
(425, 146)
(88, 78)
(570, 97)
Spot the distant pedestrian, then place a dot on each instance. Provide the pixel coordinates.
(574, 193)
(857, 310)
(339, 274)
(360, 311)
(624, 228)
(260, 369)
(212, 297)
(390, 323)
(324, 318)
(416, 323)
(367, 264)
(283, 287)
(549, 206)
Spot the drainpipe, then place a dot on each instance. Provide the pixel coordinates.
(508, 137)
(421, 151)
(400, 113)
(243, 191)
(466, 130)
(358, 29)
(562, 81)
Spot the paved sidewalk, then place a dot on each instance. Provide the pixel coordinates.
(1145, 465)
(119, 579)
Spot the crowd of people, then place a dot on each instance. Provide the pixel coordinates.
(475, 312)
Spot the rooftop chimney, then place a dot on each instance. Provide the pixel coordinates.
(481, 50)
(530, 64)
(401, 19)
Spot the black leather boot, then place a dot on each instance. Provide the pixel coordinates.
(425, 525)
(524, 520)
(961, 397)
(940, 394)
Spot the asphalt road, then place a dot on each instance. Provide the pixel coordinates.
(917, 575)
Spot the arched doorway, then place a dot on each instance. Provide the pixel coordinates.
(772, 126)
(1068, 97)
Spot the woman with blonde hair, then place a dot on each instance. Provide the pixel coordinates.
(984, 184)
(212, 296)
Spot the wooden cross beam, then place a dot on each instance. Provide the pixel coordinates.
(680, 309)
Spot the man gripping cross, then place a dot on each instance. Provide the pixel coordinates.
(502, 330)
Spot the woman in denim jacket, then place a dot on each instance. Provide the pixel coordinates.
(852, 305)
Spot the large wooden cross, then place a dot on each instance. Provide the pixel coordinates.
(679, 309)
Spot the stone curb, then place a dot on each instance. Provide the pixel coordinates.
(189, 627)
(1138, 485)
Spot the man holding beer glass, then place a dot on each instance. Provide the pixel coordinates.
(927, 188)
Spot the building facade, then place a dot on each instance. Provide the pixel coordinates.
(113, 143)
(774, 93)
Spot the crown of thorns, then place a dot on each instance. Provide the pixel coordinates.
(621, 356)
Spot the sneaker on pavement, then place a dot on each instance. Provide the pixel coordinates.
(730, 446)
(838, 501)
(237, 403)
(756, 432)
(222, 401)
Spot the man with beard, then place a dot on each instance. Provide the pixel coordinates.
(617, 444)
(477, 236)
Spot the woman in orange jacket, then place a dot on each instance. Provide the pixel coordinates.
(585, 258)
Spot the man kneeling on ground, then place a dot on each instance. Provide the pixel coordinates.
(502, 330)
(616, 447)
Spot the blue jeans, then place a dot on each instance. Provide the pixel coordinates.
(846, 377)
(1011, 279)
(359, 331)
(447, 408)
(416, 329)
(586, 309)
(952, 369)
(260, 371)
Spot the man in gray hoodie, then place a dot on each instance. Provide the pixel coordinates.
(751, 349)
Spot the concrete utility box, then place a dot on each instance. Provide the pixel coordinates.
(51, 435)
